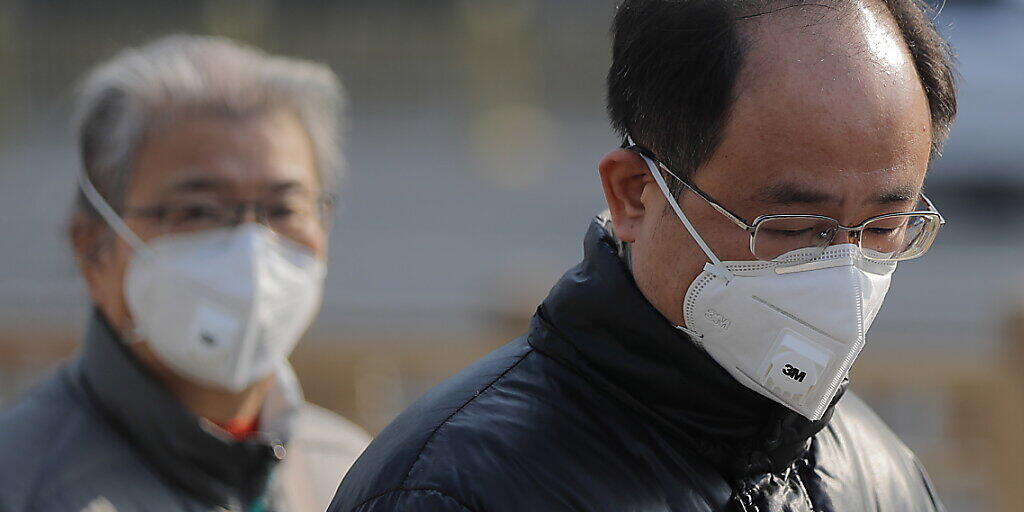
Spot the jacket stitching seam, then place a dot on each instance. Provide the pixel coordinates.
(433, 433)
(413, 489)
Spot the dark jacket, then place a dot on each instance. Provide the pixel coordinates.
(603, 405)
(102, 435)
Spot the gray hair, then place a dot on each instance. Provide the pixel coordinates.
(122, 99)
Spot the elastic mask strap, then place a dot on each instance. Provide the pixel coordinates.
(675, 206)
(696, 336)
(109, 215)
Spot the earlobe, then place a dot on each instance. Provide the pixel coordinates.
(624, 177)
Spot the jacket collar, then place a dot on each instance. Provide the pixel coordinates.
(602, 325)
(187, 450)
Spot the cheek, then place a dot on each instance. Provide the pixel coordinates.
(313, 238)
(107, 283)
(111, 267)
(321, 251)
(727, 240)
(666, 261)
(318, 244)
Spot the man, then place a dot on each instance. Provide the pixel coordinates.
(769, 181)
(201, 233)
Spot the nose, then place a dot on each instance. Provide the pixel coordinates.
(248, 213)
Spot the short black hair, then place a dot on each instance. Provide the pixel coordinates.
(675, 65)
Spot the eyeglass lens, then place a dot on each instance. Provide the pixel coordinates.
(777, 236)
(293, 218)
(897, 237)
(900, 237)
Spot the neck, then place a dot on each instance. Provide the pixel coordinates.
(216, 405)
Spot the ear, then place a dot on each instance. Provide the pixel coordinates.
(624, 176)
(87, 241)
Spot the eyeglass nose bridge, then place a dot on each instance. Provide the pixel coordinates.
(854, 234)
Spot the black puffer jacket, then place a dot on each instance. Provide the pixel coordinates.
(603, 406)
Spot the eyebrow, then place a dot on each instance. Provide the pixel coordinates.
(898, 194)
(198, 184)
(208, 184)
(793, 193)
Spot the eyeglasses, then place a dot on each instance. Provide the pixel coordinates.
(889, 237)
(296, 217)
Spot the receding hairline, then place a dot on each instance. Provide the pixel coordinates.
(832, 26)
(810, 54)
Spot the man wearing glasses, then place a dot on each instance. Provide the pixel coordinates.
(201, 232)
(768, 184)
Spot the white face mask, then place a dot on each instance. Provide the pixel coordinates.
(787, 331)
(223, 307)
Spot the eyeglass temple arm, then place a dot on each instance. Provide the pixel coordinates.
(632, 145)
(731, 216)
(931, 207)
(749, 228)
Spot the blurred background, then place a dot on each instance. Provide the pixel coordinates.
(476, 127)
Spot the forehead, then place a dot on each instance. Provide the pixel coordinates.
(235, 156)
(827, 97)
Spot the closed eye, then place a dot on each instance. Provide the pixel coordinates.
(788, 232)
